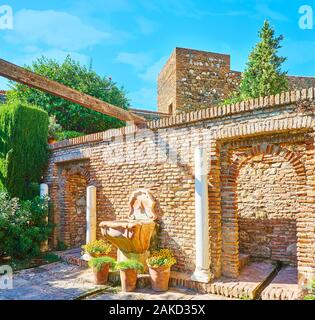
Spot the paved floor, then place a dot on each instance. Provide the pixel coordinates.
(148, 294)
(247, 284)
(283, 286)
(62, 281)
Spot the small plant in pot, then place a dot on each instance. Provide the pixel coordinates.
(53, 129)
(128, 274)
(160, 263)
(100, 267)
(97, 248)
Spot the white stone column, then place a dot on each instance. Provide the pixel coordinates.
(202, 271)
(43, 192)
(90, 214)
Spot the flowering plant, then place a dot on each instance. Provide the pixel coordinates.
(161, 258)
(97, 248)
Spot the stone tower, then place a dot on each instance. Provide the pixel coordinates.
(193, 79)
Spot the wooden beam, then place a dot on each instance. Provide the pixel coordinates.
(31, 79)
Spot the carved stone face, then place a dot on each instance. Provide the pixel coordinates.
(141, 205)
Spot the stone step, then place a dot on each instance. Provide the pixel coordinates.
(247, 285)
(284, 286)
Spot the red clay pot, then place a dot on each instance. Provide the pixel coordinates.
(51, 140)
(101, 276)
(128, 280)
(159, 278)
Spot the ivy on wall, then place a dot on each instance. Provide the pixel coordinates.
(23, 149)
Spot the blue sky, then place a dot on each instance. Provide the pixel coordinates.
(130, 40)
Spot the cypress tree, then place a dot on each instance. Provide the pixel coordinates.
(263, 75)
(23, 149)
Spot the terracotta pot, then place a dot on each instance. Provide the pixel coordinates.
(51, 140)
(159, 278)
(101, 276)
(128, 280)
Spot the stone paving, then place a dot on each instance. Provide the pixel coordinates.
(62, 281)
(247, 284)
(283, 286)
(56, 281)
(148, 294)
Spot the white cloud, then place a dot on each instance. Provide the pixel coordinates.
(266, 11)
(151, 73)
(146, 26)
(30, 54)
(145, 98)
(55, 29)
(137, 60)
(107, 6)
(148, 72)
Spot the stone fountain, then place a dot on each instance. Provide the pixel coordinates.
(132, 236)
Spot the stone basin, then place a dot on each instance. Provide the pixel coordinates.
(129, 236)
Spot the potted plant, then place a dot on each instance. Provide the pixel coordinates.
(128, 274)
(160, 263)
(100, 267)
(97, 248)
(53, 129)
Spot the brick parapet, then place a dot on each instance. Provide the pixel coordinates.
(211, 113)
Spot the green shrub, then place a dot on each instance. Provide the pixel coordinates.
(311, 295)
(55, 131)
(23, 226)
(69, 115)
(53, 128)
(130, 264)
(99, 262)
(23, 149)
(61, 246)
(63, 135)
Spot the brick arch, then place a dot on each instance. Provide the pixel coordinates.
(79, 170)
(230, 236)
(73, 181)
(265, 149)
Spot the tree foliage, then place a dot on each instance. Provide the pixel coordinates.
(71, 116)
(263, 75)
(23, 149)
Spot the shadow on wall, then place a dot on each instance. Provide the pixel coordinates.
(270, 239)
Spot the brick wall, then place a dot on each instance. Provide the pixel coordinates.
(160, 159)
(298, 83)
(268, 206)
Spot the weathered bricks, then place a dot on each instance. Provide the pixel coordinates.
(161, 160)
